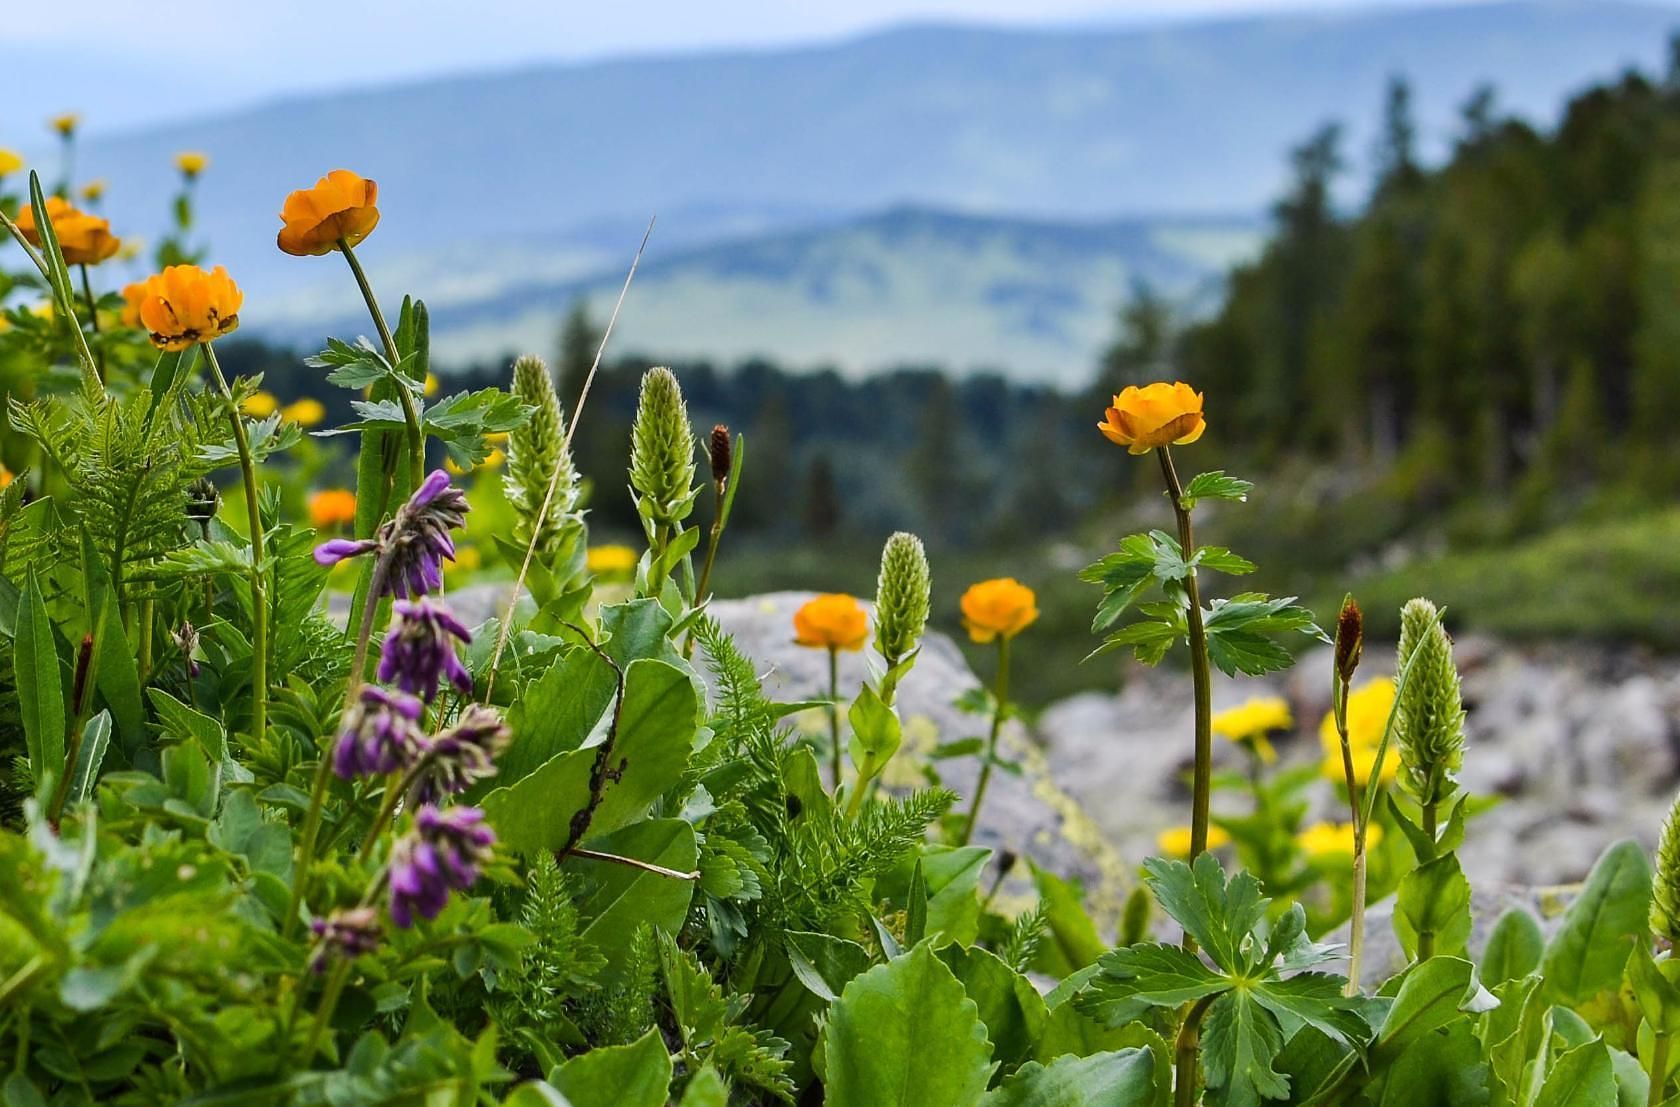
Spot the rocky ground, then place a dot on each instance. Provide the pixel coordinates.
(1578, 743)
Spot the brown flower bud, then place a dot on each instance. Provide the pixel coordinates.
(1350, 639)
(722, 455)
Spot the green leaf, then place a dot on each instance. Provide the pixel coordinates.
(178, 721)
(904, 1034)
(1431, 995)
(1581, 1077)
(1074, 942)
(1125, 1078)
(876, 732)
(706, 1089)
(1513, 949)
(951, 879)
(916, 907)
(1222, 560)
(1441, 1069)
(823, 963)
(1240, 632)
(1009, 1005)
(1658, 995)
(1214, 485)
(1136, 978)
(1587, 954)
(622, 898)
(40, 684)
(118, 676)
(1240, 1040)
(90, 755)
(634, 1075)
(1434, 898)
(1219, 915)
(1313, 999)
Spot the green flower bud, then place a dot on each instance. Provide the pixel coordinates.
(901, 597)
(662, 449)
(1665, 885)
(1429, 725)
(536, 452)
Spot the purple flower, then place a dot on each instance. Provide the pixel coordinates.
(443, 852)
(418, 650)
(335, 550)
(347, 934)
(462, 755)
(380, 734)
(413, 542)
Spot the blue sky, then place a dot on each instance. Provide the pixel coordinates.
(162, 60)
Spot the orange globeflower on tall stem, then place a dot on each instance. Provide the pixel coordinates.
(1156, 415)
(833, 621)
(337, 213)
(84, 239)
(995, 611)
(332, 507)
(181, 307)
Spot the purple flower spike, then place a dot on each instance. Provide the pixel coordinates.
(335, 550)
(347, 934)
(443, 852)
(380, 735)
(418, 651)
(417, 538)
(430, 488)
(462, 755)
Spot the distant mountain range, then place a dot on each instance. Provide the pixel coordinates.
(505, 193)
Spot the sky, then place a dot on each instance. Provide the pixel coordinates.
(137, 71)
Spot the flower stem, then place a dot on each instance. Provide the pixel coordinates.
(1426, 938)
(1659, 1068)
(1200, 675)
(323, 768)
(338, 975)
(253, 513)
(1356, 920)
(93, 318)
(834, 713)
(1001, 694)
(1187, 1074)
(416, 437)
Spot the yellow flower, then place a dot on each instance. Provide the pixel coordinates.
(467, 560)
(184, 305)
(339, 208)
(493, 460)
(133, 295)
(85, 239)
(1175, 841)
(260, 405)
(611, 561)
(832, 621)
(331, 507)
(998, 608)
(93, 190)
(191, 163)
(65, 124)
(1251, 722)
(10, 161)
(306, 412)
(1159, 414)
(431, 386)
(1325, 840)
(5, 476)
(1367, 714)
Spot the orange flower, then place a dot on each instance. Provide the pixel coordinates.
(1159, 414)
(85, 239)
(184, 305)
(132, 294)
(833, 621)
(332, 507)
(340, 208)
(5, 476)
(998, 608)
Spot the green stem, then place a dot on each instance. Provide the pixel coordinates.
(656, 571)
(1001, 694)
(834, 713)
(1426, 938)
(1356, 922)
(411, 416)
(1200, 674)
(323, 768)
(93, 319)
(259, 601)
(337, 976)
(1187, 1073)
(147, 616)
(1659, 1069)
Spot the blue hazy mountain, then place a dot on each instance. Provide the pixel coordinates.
(521, 184)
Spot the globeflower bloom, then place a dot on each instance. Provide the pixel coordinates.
(418, 652)
(65, 124)
(10, 161)
(1326, 840)
(999, 608)
(1250, 724)
(833, 621)
(132, 295)
(1175, 841)
(85, 239)
(381, 734)
(184, 305)
(332, 507)
(1159, 414)
(611, 561)
(443, 852)
(191, 163)
(339, 208)
(307, 412)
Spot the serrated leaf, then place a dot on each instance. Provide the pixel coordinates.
(1215, 485)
